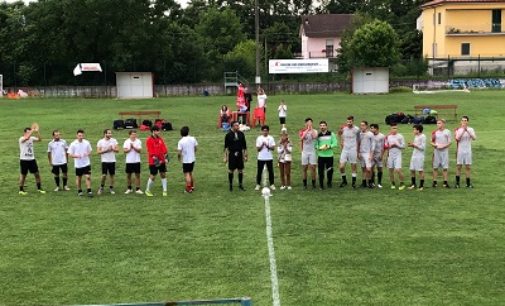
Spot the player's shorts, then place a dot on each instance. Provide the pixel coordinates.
(162, 168)
(365, 160)
(109, 168)
(395, 162)
(57, 168)
(348, 156)
(282, 120)
(309, 158)
(377, 160)
(28, 165)
(441, 159)
(83, 171)
(417, 164)
(188, 167)
(235, 160)
(464, 158)
(132, 168)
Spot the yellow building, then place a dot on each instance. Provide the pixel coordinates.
(463, 28)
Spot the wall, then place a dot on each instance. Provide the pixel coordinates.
(314, 47)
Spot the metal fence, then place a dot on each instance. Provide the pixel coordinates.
(450, 67)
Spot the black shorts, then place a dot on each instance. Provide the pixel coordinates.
(133, 168)
(56, 169)
(186, 168)
(235, 160)
(282, 120)
(108, 168)
(162, 168)
(83, 171)
(28, 165)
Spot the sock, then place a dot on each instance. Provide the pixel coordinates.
(88, 190)
(413, 179)
(363, 182)
(445, 183)
(149, 184)
(57, 181)
(130, 187)
(421, 183)
(344, 179)
(314, 183)
(65, 181)
(164, 184)
(379, 177)
(354, 178)
(111, 187)
(188, 187)
(102, 185)
(468, 181)
(393, 183)
(305, 183)
(39, 186)
(230, 178)
(21, 188)
(137, 188)
(80, 190)
(457, 179)
(240, 178)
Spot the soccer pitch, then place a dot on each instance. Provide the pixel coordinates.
(332, 247)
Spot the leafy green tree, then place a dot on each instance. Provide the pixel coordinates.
(242, 59)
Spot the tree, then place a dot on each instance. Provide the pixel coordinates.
(374, 44)
(242, 59)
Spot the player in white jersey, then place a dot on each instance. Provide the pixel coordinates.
(366, 146)
(464, 136)
(80, 150)
(349, 135)
(441, 140)
(395, 143)
(132, 147)
(378, 154)
(308, 136)
(417, 160)
(107, 147)
(58, 159)
(27, 160)
(186, 153)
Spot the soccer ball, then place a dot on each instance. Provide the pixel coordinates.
(265, 192)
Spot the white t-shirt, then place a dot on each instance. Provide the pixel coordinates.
(262, 100)
(283, 111)
(132, 156)
(26, 148)
(58, 150)
(265, 153)
(107, 144)
(187, 146)
(465, 139)
(82, 149)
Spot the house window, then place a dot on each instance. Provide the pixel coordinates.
(465, 49)
(496, 21)
(439, 18)
(329, 48)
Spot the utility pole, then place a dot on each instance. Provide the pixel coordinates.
(257, 30)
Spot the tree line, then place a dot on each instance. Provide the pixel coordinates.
(43, 41)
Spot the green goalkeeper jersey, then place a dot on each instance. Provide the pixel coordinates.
(325, 143)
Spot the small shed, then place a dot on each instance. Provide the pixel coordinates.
(134, 85)
(370, 80)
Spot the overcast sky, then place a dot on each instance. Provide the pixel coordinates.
(183, 3)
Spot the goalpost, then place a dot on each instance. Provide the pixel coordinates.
(1, 85)
(439, 86)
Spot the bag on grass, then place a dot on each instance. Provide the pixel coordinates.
(130, 123)
(167, 126)
(118, 124)
(149, 123)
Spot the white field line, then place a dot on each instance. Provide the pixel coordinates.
(270, 241)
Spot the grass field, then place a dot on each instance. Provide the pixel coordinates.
(333, 247)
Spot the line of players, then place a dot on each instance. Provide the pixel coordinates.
(80, 150)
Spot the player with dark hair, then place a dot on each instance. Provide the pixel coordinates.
(186, 152)
(157, 157)
(265, 144)
(58, 159)
(366, 147)
(132, 147)
(326, 141)
(441, 140)
(27, 160)
(417, 160)
(80, 150)
(308, 135)
(349, 144)
(378, 154)
(464, 136)
(235, 154)
(107, 147)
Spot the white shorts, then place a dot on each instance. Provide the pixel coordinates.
(417, 164)
(464, 158)
(348, 157)
(377, 160)
(395, 162)
(365, 160)
(309, 158)
(441, 159)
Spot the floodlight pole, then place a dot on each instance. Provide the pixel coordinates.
(257, 30)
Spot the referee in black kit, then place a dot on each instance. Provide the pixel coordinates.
(235, 153)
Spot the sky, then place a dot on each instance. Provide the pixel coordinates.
(183, 3)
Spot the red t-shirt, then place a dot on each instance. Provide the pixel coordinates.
(156, 147)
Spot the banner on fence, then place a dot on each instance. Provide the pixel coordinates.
(278, 66)
(83, 67)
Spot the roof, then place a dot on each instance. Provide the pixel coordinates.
(326, 25)
(440, 2)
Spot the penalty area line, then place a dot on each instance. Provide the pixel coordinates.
(271, 251)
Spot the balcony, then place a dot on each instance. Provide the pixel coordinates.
(493, 30)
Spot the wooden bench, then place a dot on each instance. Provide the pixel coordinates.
(443, 109)
(139, 114)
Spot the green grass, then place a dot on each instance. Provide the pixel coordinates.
(333, 247)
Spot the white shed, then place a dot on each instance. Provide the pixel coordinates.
(370, 80)
(134, 85)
